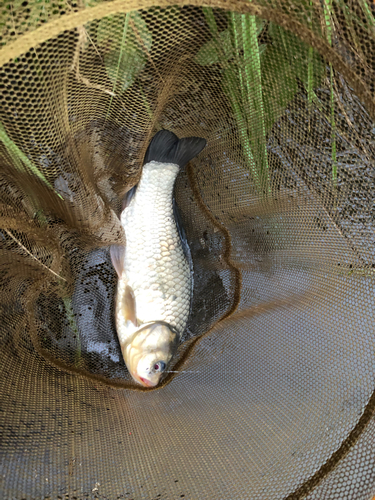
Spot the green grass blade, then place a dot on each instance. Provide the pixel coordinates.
(235, 21)
(310, 78)
(351, 16)
(327, 8)
(333, 130)
(242, 84)
(368, 12)
(229, 84)
(236, 35)
(210, 20)
(122, 50)
(254, 104)
(310, 69)
(20, 160)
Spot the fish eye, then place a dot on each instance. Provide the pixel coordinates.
(159, 366)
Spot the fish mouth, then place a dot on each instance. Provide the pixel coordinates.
(146, 382)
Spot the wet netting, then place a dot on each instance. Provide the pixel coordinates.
(271, 393)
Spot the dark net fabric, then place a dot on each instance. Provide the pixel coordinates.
(271, 394)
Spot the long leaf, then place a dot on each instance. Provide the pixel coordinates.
(255, 107)
(20, 161)
(241, 74)
(327, 8)
(126, 41)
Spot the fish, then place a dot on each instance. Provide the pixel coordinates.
(154, 267)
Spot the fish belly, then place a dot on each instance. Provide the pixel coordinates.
(155, 265)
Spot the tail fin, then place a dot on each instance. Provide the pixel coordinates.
(166, 147)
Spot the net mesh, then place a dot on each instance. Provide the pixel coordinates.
(271, 393)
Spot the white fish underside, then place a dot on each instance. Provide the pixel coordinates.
(155, 266)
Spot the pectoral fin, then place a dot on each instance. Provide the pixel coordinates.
(117, 253)
(130, 313)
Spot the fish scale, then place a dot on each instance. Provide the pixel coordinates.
(155, 265)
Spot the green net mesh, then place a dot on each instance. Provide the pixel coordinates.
(271, 393)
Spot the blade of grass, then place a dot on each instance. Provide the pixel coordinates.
(352, 17)
(210, 20)
(310, 78)
(122, 50)
(229, 86)
(149, 110)
(32, 256)
(333, 128)
(235, 87)
(235, 20)
(368, 13)
(327, 7)
(20, 160)
(255, 105)
(310, 69)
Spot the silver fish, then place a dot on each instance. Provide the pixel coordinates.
(154, 286)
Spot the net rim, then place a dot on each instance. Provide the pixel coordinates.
(70, 21)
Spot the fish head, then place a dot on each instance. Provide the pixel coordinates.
(149, 353)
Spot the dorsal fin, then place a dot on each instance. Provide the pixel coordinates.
(166, 147)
